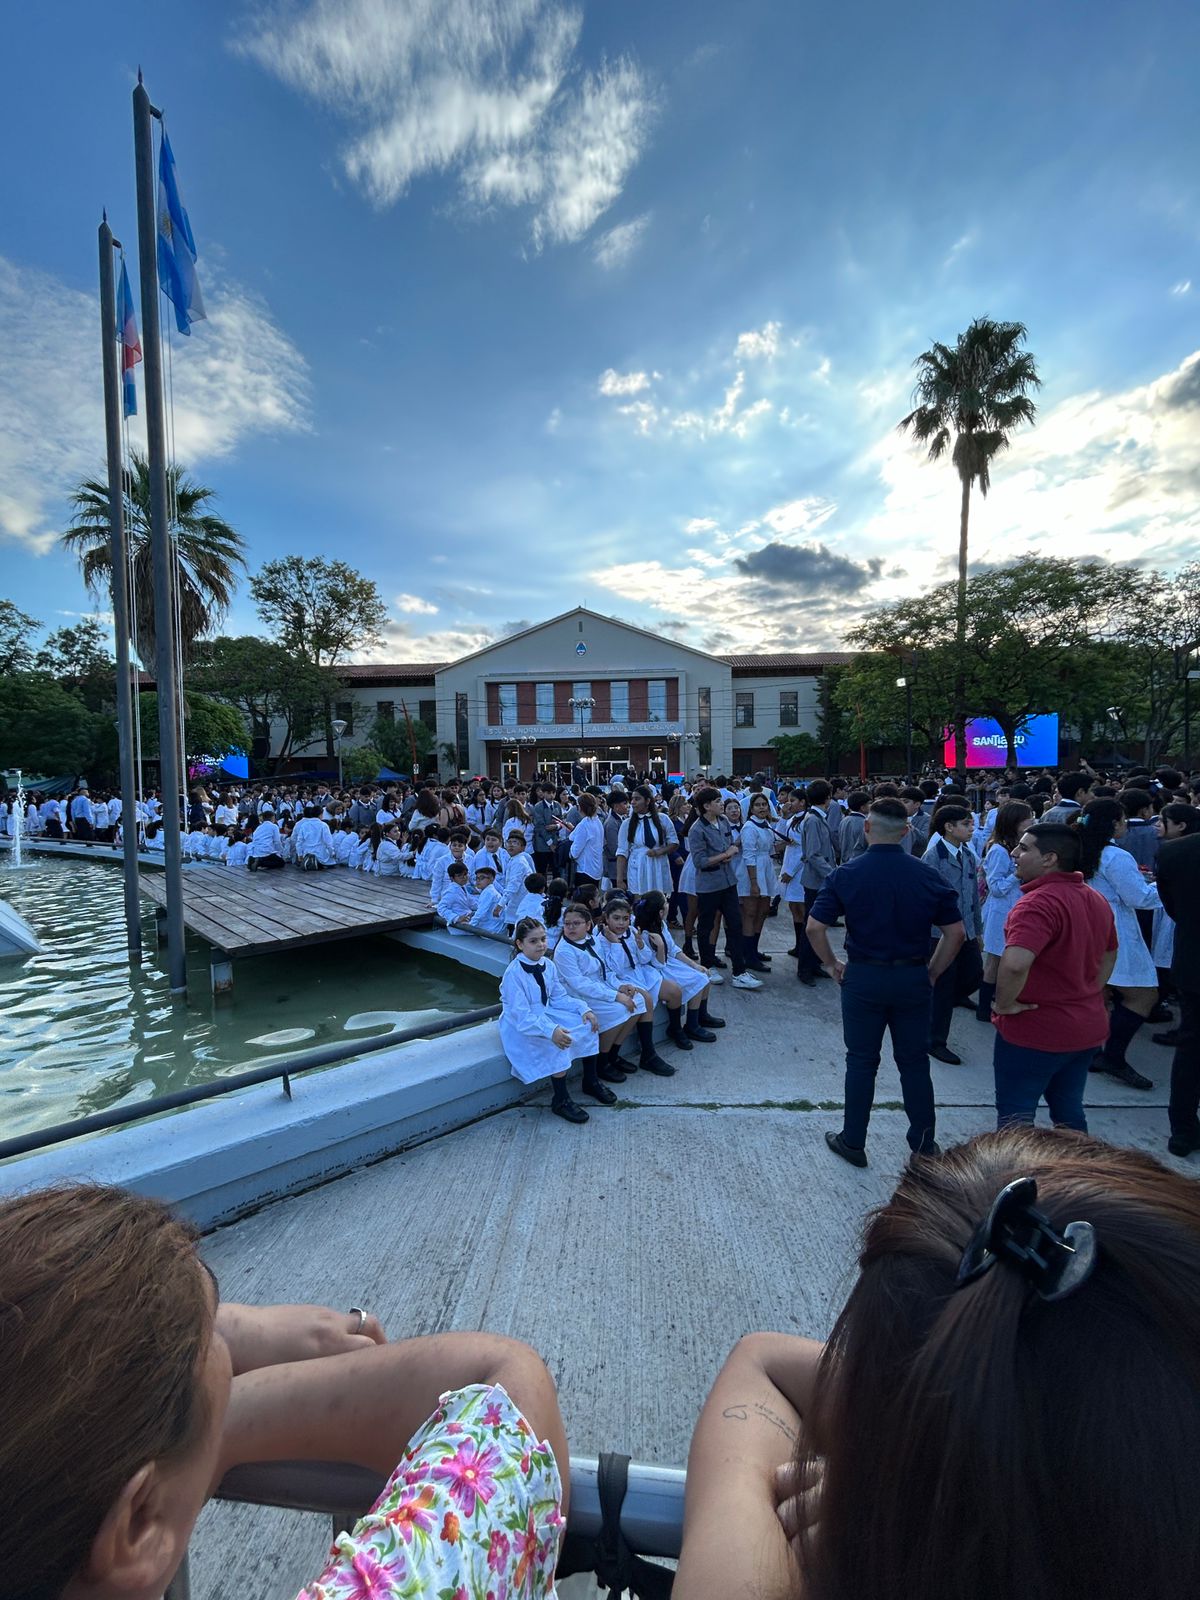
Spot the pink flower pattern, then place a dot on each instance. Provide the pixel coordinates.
(476, 1457)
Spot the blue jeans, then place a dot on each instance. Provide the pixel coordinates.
(875, 1000)
(1024, 1075)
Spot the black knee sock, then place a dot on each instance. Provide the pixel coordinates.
(590, 1080)
(987, 993)
(645, 1033)
(558, 1088)
(1122, 1026)
(675, 1017)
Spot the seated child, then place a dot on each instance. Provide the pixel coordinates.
(531, 903)
(457, 904)
(543, 1028)
(489, 906)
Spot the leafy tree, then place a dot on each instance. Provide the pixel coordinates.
(362, 764)
(875, 709)
(211, 553)
(320, 610)
(449, 754)
(397, 740)
(978, 393)
(796, 751)
(1157, 621)
(212, 727)
(44, 729)
(268, 684)
(79, 659)
(16, 646)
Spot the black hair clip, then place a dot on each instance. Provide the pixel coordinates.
(1055, 1264)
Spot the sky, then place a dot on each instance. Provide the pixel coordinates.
(518, 305)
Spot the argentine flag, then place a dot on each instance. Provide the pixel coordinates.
(176, 247)
(131, 345)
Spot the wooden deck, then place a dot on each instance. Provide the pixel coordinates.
(250, 913)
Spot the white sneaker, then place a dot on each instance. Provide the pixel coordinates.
(714, 977)
(747, 980)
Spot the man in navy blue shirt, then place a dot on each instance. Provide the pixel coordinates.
(889, 900)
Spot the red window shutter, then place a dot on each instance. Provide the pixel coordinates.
(526, 703)
(562, 708)
(493, 705)
(639, 700)
(602, 711)
(672, 699)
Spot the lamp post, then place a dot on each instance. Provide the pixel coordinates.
(339, 728)
(905, 683)
(525, 741)
(1114, 716)
(583, 703)
(693, 739)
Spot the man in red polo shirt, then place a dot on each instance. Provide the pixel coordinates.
(1060, 945)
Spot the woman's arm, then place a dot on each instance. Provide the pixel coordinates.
(365, 1407)
(734, 1545)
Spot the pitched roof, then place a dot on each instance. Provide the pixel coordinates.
(790, 661)
(390, 672)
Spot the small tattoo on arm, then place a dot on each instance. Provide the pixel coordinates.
(746, 1413)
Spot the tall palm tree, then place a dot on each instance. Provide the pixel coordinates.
(977, 391)
(211, 553)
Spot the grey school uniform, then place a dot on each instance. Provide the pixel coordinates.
(612, 832)
(852, 839)
(961, 871)
(816, 838)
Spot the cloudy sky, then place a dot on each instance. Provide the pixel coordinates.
(518, 305)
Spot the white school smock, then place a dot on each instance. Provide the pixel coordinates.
(489, 911)
(758, 841)
(636, 838)
(1119, 879)
(311, 837)
(1004, 890)
(793, 860)
(195, 844)
(691, 981)
(586, 978)
(266, 841)
(226, 816)
(531, 904)
(587, 847)
(440, 882)
(387, 860)
(157, 842)
(456, 901)
(626, 961)
(518, 869)
(496, 859)
(527, 1023)
(343, 844)
(239, 854)
(1162, 941)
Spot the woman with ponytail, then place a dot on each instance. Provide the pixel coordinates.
(1134, 982)
(1008, 1407)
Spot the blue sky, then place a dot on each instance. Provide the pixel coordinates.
(518, 305)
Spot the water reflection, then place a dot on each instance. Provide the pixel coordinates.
(82, 1031)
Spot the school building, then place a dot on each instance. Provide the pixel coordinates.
(584, 690)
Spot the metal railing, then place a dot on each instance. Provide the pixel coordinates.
(651, 1515)
(325, 1056)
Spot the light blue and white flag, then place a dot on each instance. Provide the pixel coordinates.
(176, 246)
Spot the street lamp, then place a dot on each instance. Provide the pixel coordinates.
(1187, 717)
(339, 727)
(1114, 715)
(582, 703)
(906, 684)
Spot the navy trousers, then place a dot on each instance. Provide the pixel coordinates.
(1185, 1069)
(1023, 1075)
(959, 981)
(875, 1001)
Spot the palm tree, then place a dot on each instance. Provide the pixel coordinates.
(211, 553)
(979, 392)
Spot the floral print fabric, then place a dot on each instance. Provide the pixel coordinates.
(471, 1513)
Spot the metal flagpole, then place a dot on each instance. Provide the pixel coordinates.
(120, 588)
(160, 541)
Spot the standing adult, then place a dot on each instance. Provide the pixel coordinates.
(618, 810)
(1179, 889)
(81, 816)
(950, 854)
(712, 851)
(1059, 952)
(889, 901)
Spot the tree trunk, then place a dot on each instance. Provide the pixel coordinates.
(960, 638)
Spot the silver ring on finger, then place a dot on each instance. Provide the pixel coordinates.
(357, 1311)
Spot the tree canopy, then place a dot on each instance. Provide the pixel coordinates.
(267, 684)
(322, 610)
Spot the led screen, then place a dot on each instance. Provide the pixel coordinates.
(1037, 743)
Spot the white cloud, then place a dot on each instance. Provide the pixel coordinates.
(759, 345)
(621, 383)
(554, 420)
(487, 90)
(1184, 286)
(799, 516)
(965, 241)
(414, 605)
(822, 370)
(238, 375)
(614, 248)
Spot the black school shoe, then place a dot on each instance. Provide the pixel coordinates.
(1183, 1144)
(568, 1110)
(696, 1030)
(1172, 1036)
(1122, 1072)
(856, 1158)
(941, 1052)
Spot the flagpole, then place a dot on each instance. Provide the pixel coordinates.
(120, 591)
(160, 542)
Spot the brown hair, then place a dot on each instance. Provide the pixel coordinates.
(104, 1322)
(981, 1443)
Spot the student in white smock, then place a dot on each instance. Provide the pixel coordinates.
(1003, 892)
(644, 846)
(542, 1027)
(617, 1008)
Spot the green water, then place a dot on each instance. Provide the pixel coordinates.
(80, 1030)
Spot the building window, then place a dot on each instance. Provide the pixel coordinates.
(343, 710)
(385, 710)
(744, 709)
(704, 718)
(545, 702)
(620, 702)
(427, 713)
(508, 705)
(582, 691)
(789, 708)
(656, 695)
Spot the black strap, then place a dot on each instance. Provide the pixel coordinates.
(609, 1556)
(537, 973)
